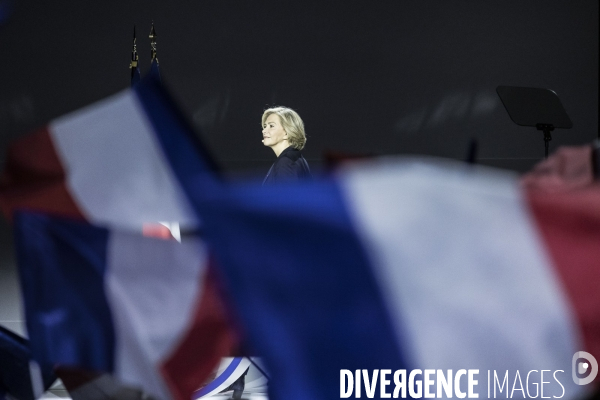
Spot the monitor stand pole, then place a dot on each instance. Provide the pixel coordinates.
(547, 128)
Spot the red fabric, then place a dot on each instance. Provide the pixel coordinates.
(570, 224)
(567, 169)
(156, 230)
(209, 338)
(334, 159)
(34, 178)
(72, 378)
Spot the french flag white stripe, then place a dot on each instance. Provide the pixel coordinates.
(109, 151)
(149, 317)
(227, 373)
(487, 294)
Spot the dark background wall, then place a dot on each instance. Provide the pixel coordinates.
(374, 77)
(368, 77)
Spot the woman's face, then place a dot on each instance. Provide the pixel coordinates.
(273, 133)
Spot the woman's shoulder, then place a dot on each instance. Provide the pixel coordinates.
(290, 164)
(290, 153)
(284, 164)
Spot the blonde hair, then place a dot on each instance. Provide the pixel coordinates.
(292, 124)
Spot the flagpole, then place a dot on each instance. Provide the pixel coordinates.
(152, 37)
(153, 58)
(133, 65)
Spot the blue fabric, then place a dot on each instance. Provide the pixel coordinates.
(14, 366)
(188, 157)
(181, 145)
(301, 284)
(135, 76)
(154, 70)
(6, 9)
(62, 265)
(15, 356)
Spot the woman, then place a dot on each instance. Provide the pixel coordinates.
(283, 131)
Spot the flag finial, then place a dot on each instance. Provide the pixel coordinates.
(152, 37)
(134, 55)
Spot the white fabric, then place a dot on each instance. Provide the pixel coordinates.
(116, 170)
(153, 287)
(465, 277)
(233, 376)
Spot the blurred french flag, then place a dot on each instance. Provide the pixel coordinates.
(110, 163)
(143, 309)
(99, 295)
(412, 264)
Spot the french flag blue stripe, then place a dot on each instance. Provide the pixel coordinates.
(186, 154)
(68, 323)
(281, 297)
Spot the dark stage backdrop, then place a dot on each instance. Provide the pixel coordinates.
(367, 77)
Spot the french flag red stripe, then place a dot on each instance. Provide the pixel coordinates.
(34, 178)
(218, 339)
(570, 226)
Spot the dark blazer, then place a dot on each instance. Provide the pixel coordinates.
(289, 166)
